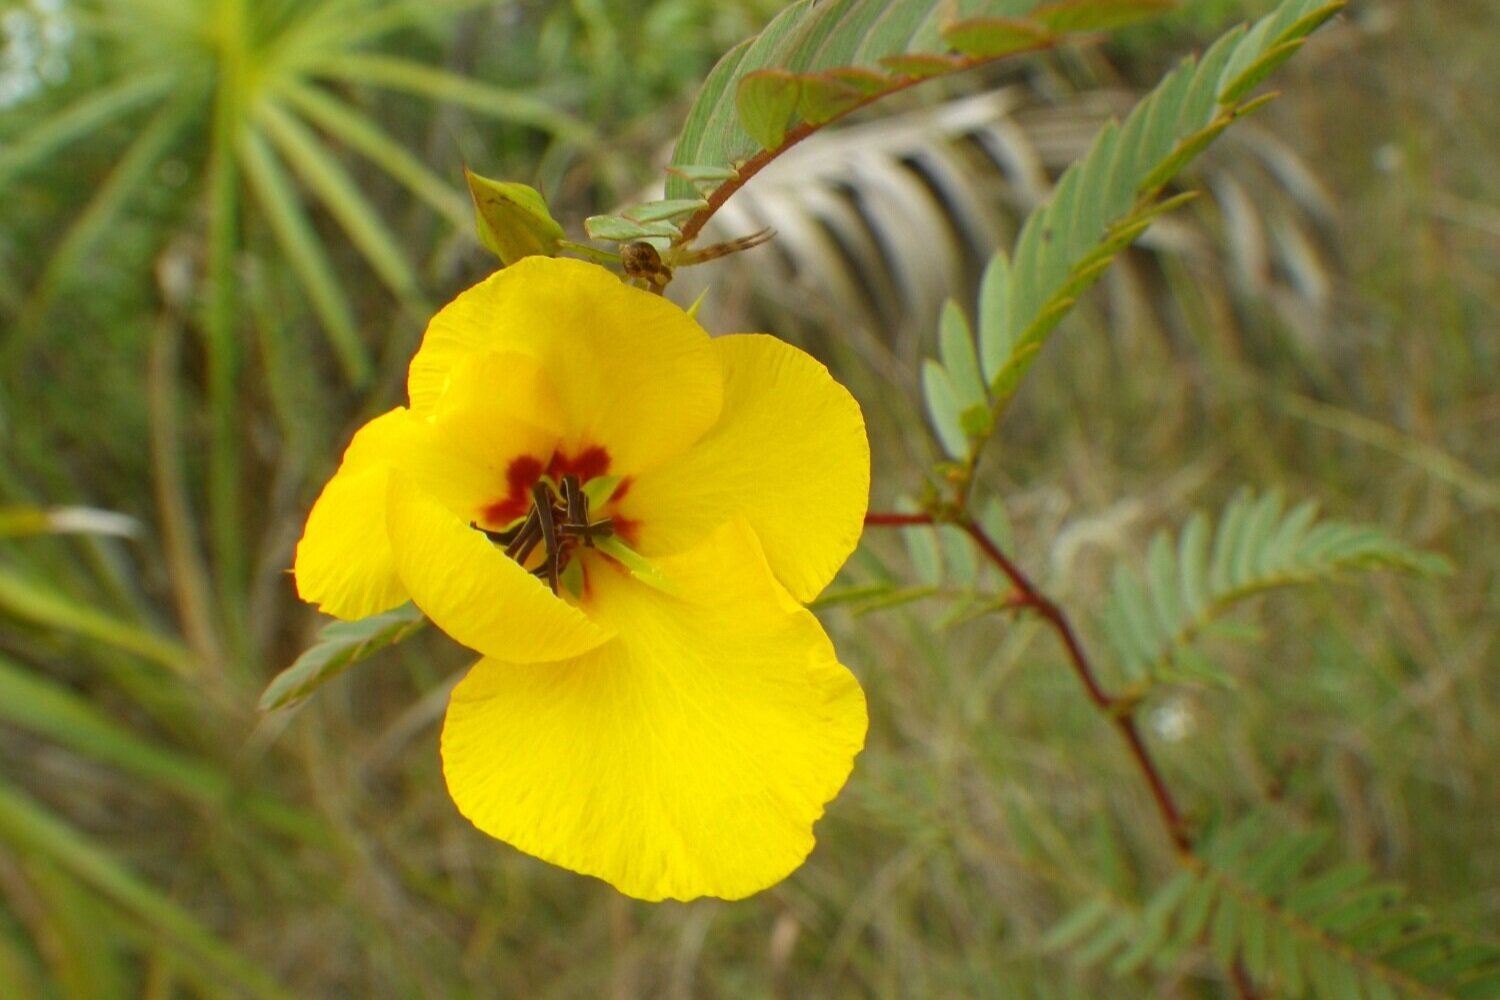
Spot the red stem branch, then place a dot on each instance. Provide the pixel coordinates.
(896, 520)
(1117, 710)
(800, 131)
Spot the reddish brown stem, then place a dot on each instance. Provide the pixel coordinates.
(1242, 983)
(1117, 710)
(896, 520)
(797, 133)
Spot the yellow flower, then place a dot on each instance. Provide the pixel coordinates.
(625, 518)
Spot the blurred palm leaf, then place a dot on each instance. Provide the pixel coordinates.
(877, 224)
(256, 104)
(269, 83)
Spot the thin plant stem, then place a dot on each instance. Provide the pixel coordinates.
(797, 133)
(1120, 711)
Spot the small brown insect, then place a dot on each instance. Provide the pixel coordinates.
(641, 260)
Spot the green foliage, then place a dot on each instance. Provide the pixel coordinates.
(340, 646)
(264, 96)
(41, 605)
(1153, 620)
(35, 833)
(816, 62)
(1102, 204)
(1256, 893)
(513, 219)
(1330, 933)
(1106, 200)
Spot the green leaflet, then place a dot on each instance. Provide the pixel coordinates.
(1152, 619)
(1259, 894)
(817, 60)
(1108, 198)
(340, 645)
(766, 101)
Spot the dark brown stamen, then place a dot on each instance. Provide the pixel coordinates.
(526, 537)
(498, 537)
(557, 527)
(588, 532)
(575, 500)
(541, 495)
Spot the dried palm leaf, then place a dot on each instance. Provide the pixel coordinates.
(878, 223)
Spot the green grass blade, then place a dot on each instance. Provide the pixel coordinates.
(112, 196)
(395, 73)
(84, 950)
(223, 356)
(38, 604)
(275, 192)
(330, 27)
(19, 969)
(360, 133)
(322, 173)
(44, 707)
(84, 117)
(32, 831)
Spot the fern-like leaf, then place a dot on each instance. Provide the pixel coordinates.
(1101, 205)
(1254, 893)
(1152, 619)
(816, 62)
(1109, 197)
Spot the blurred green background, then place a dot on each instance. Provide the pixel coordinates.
(224, 223)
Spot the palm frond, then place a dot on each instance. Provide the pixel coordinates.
(878, 223)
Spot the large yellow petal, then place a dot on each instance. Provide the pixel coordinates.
(343, 562)
(690, 756)
(789, 455)
(494, 423)
(634, 374)
(475, 592)
(491, 434)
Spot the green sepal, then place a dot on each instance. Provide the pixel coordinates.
(513, 219)
(692, 310)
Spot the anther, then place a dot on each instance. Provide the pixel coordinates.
(557, 527)
(526, 537)
(541, 495)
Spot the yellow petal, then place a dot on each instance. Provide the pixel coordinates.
(689, 756)
(475, 592)
(634, 375)
(343, 562)
(789, 455)
(489, 437)
(495, 419)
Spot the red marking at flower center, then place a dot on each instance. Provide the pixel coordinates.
(587, 464)
(627, 528)
(523, 473)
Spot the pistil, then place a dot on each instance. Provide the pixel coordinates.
(557, 527)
